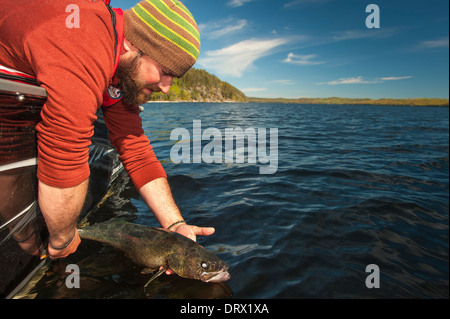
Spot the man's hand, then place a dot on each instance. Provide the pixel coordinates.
(56, 252)
(191, 232)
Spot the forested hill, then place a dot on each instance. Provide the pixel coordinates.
(200, 86)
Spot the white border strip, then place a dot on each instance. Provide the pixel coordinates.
(18, 215)
(4, 68)
(25, 163)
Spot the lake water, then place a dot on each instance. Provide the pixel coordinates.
(354, 186)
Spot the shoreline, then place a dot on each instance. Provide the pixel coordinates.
(332, 101)
(357, 101)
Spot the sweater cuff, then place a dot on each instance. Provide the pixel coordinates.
(62, 178)
(146, 174)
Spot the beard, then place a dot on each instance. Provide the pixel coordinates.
(130, 84)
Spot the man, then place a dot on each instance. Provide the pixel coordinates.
(107, 59)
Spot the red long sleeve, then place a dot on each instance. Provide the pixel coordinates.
(127, 136)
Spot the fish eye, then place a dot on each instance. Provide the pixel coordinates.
(205, 265)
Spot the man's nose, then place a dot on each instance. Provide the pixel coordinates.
(165, 84)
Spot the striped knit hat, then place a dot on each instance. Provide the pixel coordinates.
(166, 31)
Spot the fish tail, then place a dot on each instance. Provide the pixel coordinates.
(104, 232)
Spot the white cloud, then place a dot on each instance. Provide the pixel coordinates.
(220, 28)
(364, 34)
(252, 90)
(284, 82)
(434, 44)
(361, 80)
(239, 57)
(237, 3)
(395, 78)
(357, 80)
(352, 35)
(302, 59)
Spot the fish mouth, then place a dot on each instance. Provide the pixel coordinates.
(218, 276)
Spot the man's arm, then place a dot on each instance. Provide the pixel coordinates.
(73, 66)
(159, 199)
(61, 208)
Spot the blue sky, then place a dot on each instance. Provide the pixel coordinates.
(323, 48)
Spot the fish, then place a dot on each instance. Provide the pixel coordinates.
(157, 248)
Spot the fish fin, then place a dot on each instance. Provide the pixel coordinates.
(44, 254)
(147, 271)
(159, 273)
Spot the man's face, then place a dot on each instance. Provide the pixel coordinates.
(140, 76)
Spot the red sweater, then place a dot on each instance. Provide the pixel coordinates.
(74, 65)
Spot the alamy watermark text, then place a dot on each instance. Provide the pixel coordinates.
(226, 147)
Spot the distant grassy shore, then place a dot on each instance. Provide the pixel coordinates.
(343, 101)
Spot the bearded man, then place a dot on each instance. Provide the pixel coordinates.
(109, 59)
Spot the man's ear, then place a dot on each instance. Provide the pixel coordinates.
(127, 47)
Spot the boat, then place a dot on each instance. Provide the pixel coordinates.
(23, 234)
